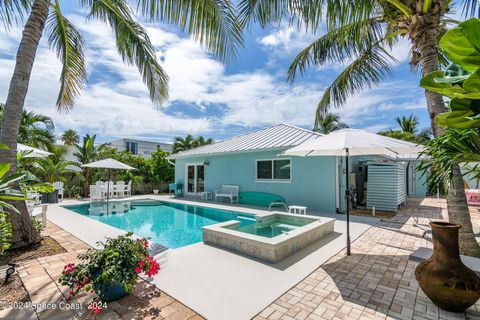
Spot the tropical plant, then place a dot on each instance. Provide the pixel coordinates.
(162, 170)
(363, 33)
(54, 167)
(183, 143)
(87, 152)
(189, 142)
(36, 130)
(119, 262)
(211, 22)
(201, 141)
(409, 130)
(70, 137)
(328, 122)
(7, 194)
(461, 142)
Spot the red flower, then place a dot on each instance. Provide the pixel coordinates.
(145, 244)
(140, 266)
(69, 268)
(154, 267)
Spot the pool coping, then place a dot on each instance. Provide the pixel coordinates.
(234, 295)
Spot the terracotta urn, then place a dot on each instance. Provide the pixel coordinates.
(443, 277)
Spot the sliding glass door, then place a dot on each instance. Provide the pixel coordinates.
(195, 177)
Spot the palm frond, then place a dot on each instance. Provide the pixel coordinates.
(366, 71)
(337, 45)
(471, 8)
(69, 45)
(306, 14)
(133, 44)
(13, 11)
(211, 22)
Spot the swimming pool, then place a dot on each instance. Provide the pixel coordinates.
(171, 224)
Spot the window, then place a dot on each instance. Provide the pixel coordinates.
(279, 169)
(132, 147)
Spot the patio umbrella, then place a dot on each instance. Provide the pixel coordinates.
(108, 164)
(31, 152)
(352, 142)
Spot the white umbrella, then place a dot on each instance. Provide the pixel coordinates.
(31, 152)
(108, 164)
(352, 142)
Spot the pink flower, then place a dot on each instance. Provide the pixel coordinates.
(154, 267)
(140, 266)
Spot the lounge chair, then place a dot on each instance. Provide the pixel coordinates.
(59, 187)
(228, 191)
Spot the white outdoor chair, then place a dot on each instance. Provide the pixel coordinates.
(110, 188)
(99, 183)
(228, 191)
(96, 193)
(120, 189)
(128, 189)
(59, 187)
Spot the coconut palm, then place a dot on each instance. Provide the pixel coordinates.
(70, 137)
(329, 122)
(201, 141)
(409, 130)
(362, 33)
(183, 143)
(35, 130)
(211, 22)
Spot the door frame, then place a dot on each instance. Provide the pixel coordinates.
(195, 177)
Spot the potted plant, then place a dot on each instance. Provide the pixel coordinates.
(111, 272)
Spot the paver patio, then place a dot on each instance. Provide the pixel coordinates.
(40, 276)
(377, 281)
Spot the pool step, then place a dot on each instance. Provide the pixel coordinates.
(156, 248)
(245, 217)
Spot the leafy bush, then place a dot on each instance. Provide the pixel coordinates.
(5, 233)
(120, 262)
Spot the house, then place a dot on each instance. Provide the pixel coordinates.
(139, 147)
(254, 162)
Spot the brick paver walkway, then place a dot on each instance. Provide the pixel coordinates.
(40, 279)
(377, 281)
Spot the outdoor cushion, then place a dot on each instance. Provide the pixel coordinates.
(263, 199)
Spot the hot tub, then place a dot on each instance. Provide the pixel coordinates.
(273, 236)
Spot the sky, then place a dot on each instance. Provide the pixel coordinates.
(206, 97)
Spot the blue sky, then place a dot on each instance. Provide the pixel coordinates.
(206, 97)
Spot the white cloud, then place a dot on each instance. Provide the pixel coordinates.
(121, 106)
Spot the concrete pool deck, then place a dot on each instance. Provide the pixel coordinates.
(214, 282)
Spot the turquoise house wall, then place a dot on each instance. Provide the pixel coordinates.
(312, 178)
(421, 186)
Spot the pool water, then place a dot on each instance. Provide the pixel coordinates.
(272, 227)
(170, 224)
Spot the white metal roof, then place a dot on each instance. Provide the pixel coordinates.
(277, 136)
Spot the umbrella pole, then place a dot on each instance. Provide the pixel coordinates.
(108, 185)
(347, 196)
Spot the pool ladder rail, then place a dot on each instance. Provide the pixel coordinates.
(276, 204)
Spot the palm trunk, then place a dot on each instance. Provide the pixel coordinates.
(23, 232)
(424, 33)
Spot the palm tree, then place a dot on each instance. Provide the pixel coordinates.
(362, 32)
(54, 168)
(409, 130)
(70, 137)
(35, 130)
(200, 141)
(329, 122)
(211, 22)
(182, 144)
(87, 152)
